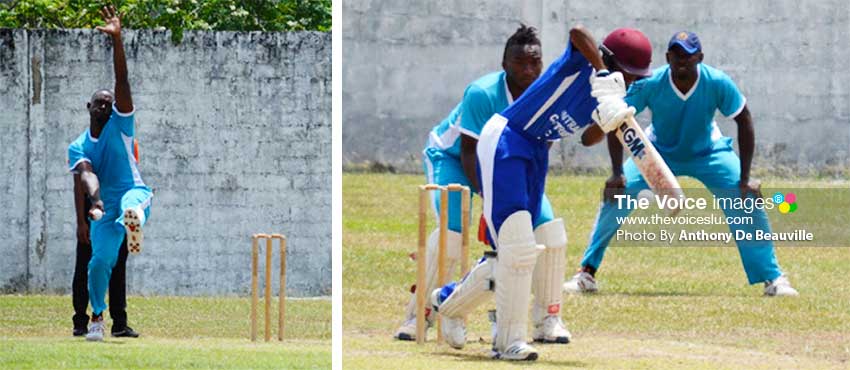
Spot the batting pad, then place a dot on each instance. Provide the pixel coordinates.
(453, 241)
(549, 271)
(517, 256)
(473, 290)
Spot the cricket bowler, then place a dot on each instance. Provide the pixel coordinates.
(683, 97)
(102, 160)
(513, 157)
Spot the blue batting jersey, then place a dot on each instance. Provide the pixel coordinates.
(111, 157)
(683, 123)
(558, 103)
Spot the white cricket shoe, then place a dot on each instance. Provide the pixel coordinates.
(407, 330)
(453, 329)
(582, 282)
(133, 226)
(551, 330)
(517, 351)
(780, 287)
(96, 330)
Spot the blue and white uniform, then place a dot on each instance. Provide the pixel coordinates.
(513, 159)
(513, 150)
(687, 137)
(121, 188)
(442, 164)
(482, 99)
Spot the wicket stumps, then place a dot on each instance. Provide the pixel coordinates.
(421, 254)
(255, 300)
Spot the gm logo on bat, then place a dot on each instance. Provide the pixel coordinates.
(633, 141)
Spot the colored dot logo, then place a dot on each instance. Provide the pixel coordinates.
(787, 203)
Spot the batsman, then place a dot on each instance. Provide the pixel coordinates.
(513, 157)
(103, 162)
(449, 157)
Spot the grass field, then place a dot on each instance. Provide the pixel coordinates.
(177, 333)
(657, 308)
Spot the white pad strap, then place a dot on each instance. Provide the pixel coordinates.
(453, 241)
(550, 268)
(517, 256)
(475, 289)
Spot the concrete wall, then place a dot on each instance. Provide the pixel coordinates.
(406, 64)
(235, 136)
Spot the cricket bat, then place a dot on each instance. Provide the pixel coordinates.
(655, 171)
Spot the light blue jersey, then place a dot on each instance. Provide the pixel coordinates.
(558, 103)
(685, 134)
(445, 136)
(683, 123)
(121, 188)
(111, 157)
(481, 99)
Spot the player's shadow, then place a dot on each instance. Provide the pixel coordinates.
(652, 293)
(479, 357)
(109, 342)
(655, 293)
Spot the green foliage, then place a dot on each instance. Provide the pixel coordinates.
(175, 15)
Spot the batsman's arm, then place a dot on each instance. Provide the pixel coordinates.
(469, 160)
(583, 41)
(592, 135)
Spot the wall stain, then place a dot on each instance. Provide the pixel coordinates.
(40, 246)
(36, 80)
(17, 284)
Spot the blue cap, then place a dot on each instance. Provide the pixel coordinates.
(687, 40)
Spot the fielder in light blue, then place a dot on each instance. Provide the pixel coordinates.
(683, 97)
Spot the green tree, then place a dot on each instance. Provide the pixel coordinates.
(175, 15)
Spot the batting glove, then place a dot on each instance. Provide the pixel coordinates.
(611, 112)
(606, 84)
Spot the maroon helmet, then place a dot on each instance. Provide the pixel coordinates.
(630, 49)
